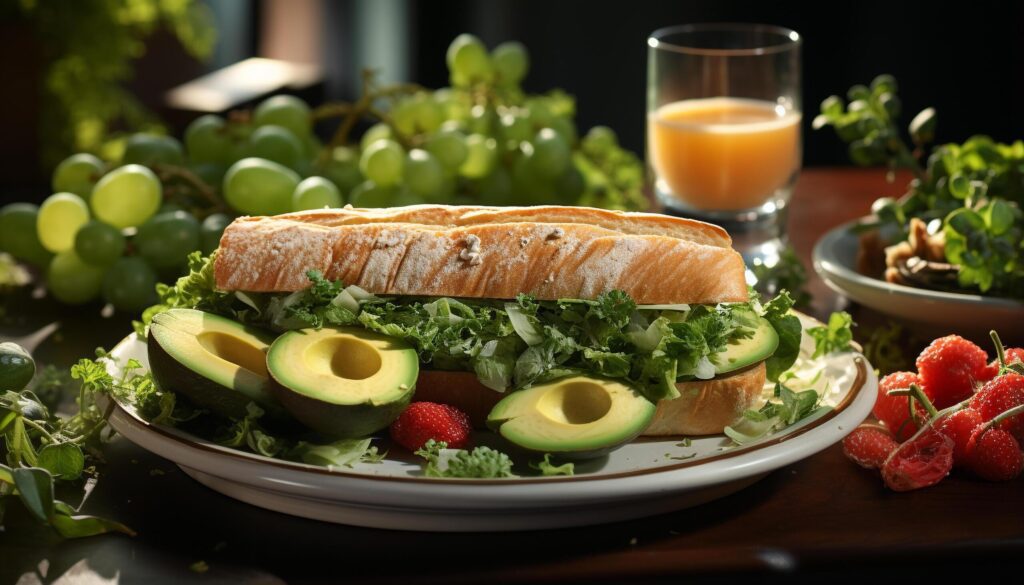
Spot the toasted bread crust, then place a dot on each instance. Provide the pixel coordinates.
(704, 407)
(549, 260)
(624, 222)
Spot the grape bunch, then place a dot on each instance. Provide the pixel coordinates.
(112, 230)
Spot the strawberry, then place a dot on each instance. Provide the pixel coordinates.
(999, 395)
(920, 462)
(949, 368)
(869, 446)
(893, 411)
(1014, 354)
(994, 454)
(423, 421)
(959, 426)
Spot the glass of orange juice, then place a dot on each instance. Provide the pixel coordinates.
(723, 127)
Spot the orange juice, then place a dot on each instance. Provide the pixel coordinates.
(724, 153)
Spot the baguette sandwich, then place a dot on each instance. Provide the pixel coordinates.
(491, 302)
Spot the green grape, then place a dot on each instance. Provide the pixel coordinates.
(423, 173)
(277, 144)
(511, 62)
(550, 154)
(570, 185)
(370, 194)
(98, 243)
(315, 193)
(166, 240)
(514, 129)
(454, 126)
(72, 281)
(284, 110)
(483, 120)
(211, 230)
(311, 146)
(403, 116)
(211, 173)
(406, 197)
(539, 112)
(168, 207)
(126, 196)
(77, 174)
(454, 106)
(342, 168)
(207, 140)
(565, 128)
(427, 114)
(382, 163)
(379, 131)
(449, 147)
(151, 149)
(599, 141)
(19, 236)
(60, 216)
(259, 187)
(496, 188)
(130, 285)
(468, 61)
(529, 186)
(481, 158)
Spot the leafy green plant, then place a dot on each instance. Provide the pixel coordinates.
(975, 189)
(88, 47)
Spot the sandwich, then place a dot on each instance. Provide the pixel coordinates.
(564, 329)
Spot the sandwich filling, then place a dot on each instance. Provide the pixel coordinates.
(517, 343)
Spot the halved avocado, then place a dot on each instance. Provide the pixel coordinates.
(342, 381)
(576, 418)
(743, 352)
(215, 362)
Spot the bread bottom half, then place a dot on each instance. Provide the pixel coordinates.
(704, 407)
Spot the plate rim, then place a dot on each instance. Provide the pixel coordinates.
(205, 446)
(831, 269)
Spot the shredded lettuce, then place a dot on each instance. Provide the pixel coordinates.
(515, 344)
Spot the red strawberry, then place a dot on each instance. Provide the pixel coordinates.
(1014, 354)
(995, 455)
(893, 410)
(999, 395)
(959, 426)
(869, 446)
(423, 421)
(920, 462)
(949, 368)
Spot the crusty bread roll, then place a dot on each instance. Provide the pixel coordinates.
(704, 407)
(439, 257)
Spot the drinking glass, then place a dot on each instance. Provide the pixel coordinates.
(723, 128)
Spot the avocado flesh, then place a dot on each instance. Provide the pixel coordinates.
(342, 382)
(215, 362)
(744, 352)
(576, 418)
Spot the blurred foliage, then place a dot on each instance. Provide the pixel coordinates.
(89, 47)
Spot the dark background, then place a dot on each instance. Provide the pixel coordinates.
(964, 59)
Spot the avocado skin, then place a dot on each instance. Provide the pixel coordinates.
(170, 374)
(348, 421)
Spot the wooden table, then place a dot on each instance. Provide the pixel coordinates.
(820, 517)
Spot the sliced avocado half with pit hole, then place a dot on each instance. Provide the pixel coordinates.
(217, 363)
(342, 382)
(744, 352)
(574, 418)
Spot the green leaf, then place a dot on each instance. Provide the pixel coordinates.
(959, 186)
(835, 336)
(35, 487)
(481, 462)
(789, 330)
(922, 127)
(999, 216)
(80, 526)
(547, 468)
(64, 460)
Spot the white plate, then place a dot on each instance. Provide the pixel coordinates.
(645, 477)
(835, 260)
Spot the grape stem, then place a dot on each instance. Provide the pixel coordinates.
(168, 172)
(364, 107)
